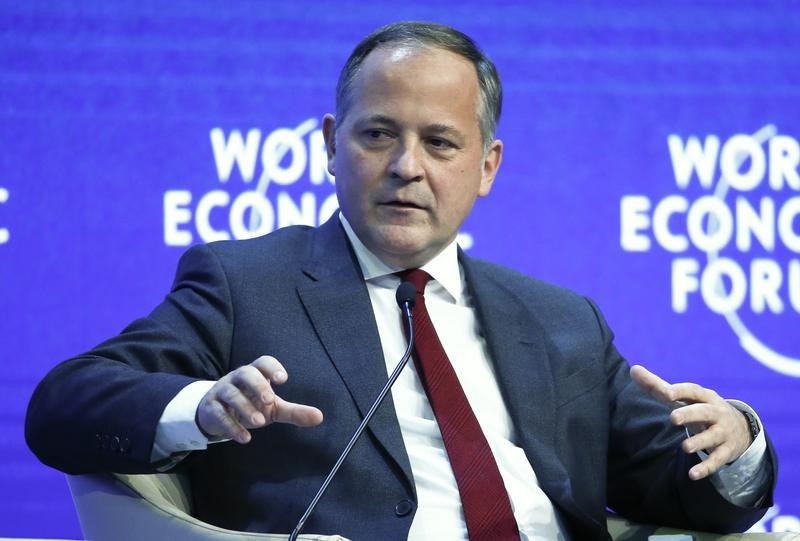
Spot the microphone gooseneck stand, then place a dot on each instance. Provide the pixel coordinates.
(405, 296)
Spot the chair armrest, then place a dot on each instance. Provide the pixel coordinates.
(110, 509)
(622, 529)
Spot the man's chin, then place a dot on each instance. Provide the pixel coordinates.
(403, 247)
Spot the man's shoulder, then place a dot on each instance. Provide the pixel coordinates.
(554, 307)
(288, 241)
(281, 251)
(522, 285)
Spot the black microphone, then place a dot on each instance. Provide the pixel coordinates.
(406, 297)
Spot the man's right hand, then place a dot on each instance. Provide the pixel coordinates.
(245, 399)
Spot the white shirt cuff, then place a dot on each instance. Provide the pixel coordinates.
(744, 482)
(177, 432)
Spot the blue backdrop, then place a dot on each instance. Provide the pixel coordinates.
(651, 163)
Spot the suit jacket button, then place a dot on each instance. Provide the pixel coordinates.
(403, 508)
(115, 444)
(124, 445)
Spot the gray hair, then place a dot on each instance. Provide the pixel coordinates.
(417, 34)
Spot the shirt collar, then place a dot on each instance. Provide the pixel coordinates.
(444, 267)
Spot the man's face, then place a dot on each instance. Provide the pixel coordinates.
(408, 158)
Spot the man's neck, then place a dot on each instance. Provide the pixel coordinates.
(443, 267)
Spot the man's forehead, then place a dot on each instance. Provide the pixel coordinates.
(392, 72)
(398, 52)
(414, 67)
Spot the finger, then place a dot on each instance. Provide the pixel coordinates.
(653, 384)
(296, 414)
(695, 413)
(706, 440)
(239, 406)
(271, 369)
(716, 460)
(252, 384)
(699, 471)
(215, 419)
(692, 392)
(694, 417)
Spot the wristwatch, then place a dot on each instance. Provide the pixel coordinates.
(752, 424)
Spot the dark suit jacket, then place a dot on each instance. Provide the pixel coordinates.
(593, 438)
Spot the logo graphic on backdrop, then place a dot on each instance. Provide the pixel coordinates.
(267, 181)
(4, 233)
(734, 230)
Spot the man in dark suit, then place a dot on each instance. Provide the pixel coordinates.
(258, 339)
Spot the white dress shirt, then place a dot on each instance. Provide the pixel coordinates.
(439, 514)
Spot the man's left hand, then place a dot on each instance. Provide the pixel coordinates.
(715, 426)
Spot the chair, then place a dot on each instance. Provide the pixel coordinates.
(151, 507)
(118, 507)
(624, 530)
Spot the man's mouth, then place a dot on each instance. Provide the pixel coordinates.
(402, 204)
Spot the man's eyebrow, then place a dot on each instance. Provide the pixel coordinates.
(442, 129)
(383, 120)
(431, 129)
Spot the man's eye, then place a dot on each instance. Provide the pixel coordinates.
(438, 143)
(375, 134)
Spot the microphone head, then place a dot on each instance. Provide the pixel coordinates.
(406, 293)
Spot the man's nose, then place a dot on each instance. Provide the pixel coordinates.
(407, 162)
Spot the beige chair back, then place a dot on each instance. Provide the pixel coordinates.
(153, 507)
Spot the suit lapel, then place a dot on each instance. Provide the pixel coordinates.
(518, 347)
(340, 310)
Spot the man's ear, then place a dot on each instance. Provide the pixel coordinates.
(491, 164)
(329, 134)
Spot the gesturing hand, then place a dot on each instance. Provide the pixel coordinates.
(715, 426)
(245, 399)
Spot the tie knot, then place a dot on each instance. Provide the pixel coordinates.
(418, 277)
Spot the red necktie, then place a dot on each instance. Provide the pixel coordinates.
(487, 509)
